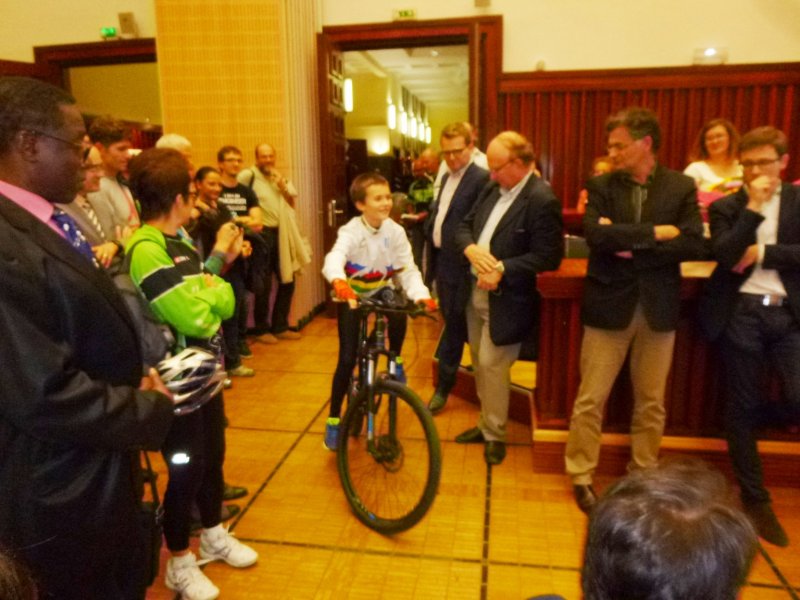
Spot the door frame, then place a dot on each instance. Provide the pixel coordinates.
(483, 35)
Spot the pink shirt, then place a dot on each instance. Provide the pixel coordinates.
(33, 203)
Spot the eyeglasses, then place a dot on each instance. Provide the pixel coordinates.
(763, 162)
(619, 147)
(75, 145)
(96, 167)
(233, 159)
(453, 153)
(501, 167)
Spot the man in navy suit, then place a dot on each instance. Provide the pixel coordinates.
(513, 232)
(641, 221)
(460, 188)
(753, 305)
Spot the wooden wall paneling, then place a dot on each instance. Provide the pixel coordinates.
(563, 113)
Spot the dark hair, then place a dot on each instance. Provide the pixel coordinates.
(668, 533)
(203, 172)
(227, 150)
(765, 136)
(518, 145)
(640, 123)
(699, 150)
(107, 130)
(29, 104)
(157, 176)
(453, 130)
(358, 189)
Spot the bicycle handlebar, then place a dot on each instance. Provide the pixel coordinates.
(373, 304)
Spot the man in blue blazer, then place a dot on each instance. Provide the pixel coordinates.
(513, 232)
(460, 188)
(753, 305)
(641, 221)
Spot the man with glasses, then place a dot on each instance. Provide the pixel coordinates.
(641, 221)
(753, 305)
(242, 203)
(74, 406)
(286, 252)
(513, 232)
(461, 186)
(94, 217)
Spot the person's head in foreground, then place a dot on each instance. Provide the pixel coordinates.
(668, 533)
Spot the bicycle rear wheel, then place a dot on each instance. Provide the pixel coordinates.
(391, 483)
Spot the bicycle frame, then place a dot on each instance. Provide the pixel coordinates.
(369, 354)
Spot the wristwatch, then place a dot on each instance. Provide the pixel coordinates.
(500, 267)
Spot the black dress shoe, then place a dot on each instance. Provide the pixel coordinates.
(437, 402)
(766, 523)
(585, 497)
(232, 492)
(494, 452)
(470, 436)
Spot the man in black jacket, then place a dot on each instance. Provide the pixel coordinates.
(753, 305)
(512, 233)
(74, 407)
(460, 188)
(641, 221)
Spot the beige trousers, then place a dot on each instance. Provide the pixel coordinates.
(492, 368)
(603, 353)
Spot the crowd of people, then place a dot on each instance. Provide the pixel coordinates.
(481, 227)
(80, 208)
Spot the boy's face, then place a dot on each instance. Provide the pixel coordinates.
(377, 205)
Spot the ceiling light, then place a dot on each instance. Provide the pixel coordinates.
(348, 95)
(710, 56)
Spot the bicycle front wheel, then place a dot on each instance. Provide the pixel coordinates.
(391, 480)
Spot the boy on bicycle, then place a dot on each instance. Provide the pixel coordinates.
(370, 252)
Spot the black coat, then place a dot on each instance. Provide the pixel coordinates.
(652, 277)
(733, 229)
(528, 240)
(71, 416)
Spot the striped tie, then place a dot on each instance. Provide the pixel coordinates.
(93, 218)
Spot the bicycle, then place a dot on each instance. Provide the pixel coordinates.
(390, 471)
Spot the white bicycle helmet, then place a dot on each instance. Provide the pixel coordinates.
(194, 376)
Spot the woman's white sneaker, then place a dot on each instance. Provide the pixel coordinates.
(184, 576)
(218, 543)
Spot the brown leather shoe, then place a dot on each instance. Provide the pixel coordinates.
(585, 497)
(267, 338)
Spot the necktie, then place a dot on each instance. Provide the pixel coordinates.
(87, 208)
(73, 234)
(638, 198)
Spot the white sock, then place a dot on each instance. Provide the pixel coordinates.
(184, 559)
(215, 532)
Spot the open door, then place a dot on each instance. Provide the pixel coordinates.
(330, 69)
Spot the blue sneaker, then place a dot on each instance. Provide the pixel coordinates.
(331, 441)
(399, 371)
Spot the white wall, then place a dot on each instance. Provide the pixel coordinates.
(25, 24)
(565, 34)
(589, 34)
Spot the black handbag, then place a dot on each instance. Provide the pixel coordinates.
(151, 514)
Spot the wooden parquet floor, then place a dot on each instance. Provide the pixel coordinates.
(499, 533)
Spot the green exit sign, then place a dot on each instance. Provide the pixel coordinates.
(404, 13)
